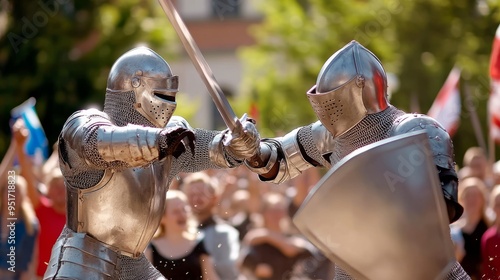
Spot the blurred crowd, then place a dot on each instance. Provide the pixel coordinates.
(475, 235)
(226, 224)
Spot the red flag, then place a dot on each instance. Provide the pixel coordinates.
(254, 111)
(494, 101)
(446, 107)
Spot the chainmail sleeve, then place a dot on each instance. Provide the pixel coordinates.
(341, 274)
(200, 160)
(75, 152)
(315, 141)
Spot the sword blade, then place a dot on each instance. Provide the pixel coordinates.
(201, 66)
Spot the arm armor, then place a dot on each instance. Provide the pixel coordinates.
(133, 144)
(100, 143)
(286, 152)
(218, 153)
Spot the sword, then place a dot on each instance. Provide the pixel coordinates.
(201, 65)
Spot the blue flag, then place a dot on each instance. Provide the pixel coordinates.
(37, 145)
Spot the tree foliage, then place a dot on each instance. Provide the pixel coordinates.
(419, 41)
(60, 52)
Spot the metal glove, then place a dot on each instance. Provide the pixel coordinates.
(174, 140)
(243, 142)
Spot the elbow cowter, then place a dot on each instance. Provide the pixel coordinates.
(96, 140)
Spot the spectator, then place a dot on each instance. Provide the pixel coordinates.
(475, 164)
(176, 251)
(25, 228)
(51, 212)
(496, 173)
(270, 252)
(317, 266)
(243, 205)
(472, 195)
(239, 214)
(50, 209)
(13, 193)
(490, 242)
(221, 240)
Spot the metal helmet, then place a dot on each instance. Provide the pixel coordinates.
(351, 84)
(442, 153)
(141, 80)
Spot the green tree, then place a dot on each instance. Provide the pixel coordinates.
(60, 52)
(419, 41)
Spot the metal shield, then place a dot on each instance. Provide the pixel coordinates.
(380, 214)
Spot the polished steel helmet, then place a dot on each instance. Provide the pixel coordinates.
(351, 84)
(146, 75)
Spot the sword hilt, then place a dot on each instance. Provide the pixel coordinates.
(236, 130)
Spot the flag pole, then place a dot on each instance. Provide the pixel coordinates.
(491, 150)
(476, 124)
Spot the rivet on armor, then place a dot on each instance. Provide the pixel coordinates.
(136, 82)
(360, 81)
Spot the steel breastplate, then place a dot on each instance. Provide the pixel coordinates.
(123, 210)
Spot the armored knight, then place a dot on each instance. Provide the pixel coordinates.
(350, 101)
(118, 164)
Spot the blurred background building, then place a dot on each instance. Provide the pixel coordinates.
(219, 27)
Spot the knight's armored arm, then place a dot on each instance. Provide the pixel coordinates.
(286, 157)
(102, 144)
(229, 149)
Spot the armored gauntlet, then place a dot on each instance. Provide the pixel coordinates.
(244, 142)
(173, 140)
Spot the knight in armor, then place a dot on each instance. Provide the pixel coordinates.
(351, 103)
(118, 163)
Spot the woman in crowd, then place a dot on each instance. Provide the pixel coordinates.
(490, 242)
(472, 195)
(177, 251)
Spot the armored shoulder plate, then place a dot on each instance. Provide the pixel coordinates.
(439, 139)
